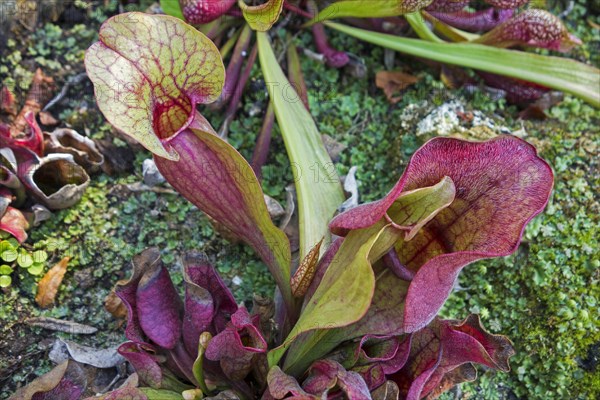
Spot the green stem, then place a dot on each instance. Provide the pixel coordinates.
(418, 24)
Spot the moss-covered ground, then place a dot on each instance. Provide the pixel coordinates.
(545, 297)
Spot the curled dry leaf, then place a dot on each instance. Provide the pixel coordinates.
(48, 119)
(56, 180)
(388, 391)
(65, 381)
(83, 149)
(306, 271)
(394, 82)
(350, 186)
(48, 286)
(8, 103)
(275, 209)
(61, 325)
(333, 147)
(40, 214)
(99, 358)
(114, 305)
(40, 92)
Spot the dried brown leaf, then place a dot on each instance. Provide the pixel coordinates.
(394, 82)
(48, 286)
(39, 94)
(48, 119)
(114, 305)
(8, 103)
(64, 381)
(61, 325)
(306, 271)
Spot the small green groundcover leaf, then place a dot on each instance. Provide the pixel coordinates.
(7, 251)
(5, 269)
(39, 256)
(5, 281)
(24, 259)
(36, 269)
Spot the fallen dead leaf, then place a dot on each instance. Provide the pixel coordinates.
(114, 305)
(48, 119)
(39, 94)
(453, 77)
(537, 109)
(394, 82)
(350, 186)
(8, 104)
(48, 286)
(62, 350)
(61, 325)
(333, 147)
(61, 382)
(275, 209)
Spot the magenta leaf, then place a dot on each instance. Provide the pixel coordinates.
(326, 377)
(442, 352)
(145, 363)
(32, 140)
(153, 305)
(474, 21)
(333, 57)
(127, 290)
(208, 302)
(238, 345)
(390, 353)
(372, 374)
(14, 222)
(204, 11)
(280, 385)
(517, 91)
(500, 185)
(447, 6)
(199, 310)
(532, 27)
(159, 306)
(507, 3)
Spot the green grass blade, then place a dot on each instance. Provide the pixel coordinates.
(564, 74)
(317, 184)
